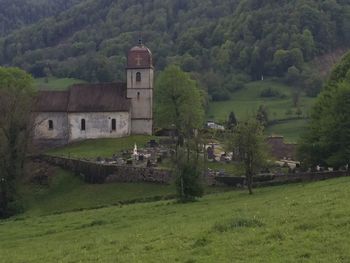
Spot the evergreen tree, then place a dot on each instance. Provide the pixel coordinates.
(232, 121)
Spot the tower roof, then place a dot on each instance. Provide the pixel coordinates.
(140, 57)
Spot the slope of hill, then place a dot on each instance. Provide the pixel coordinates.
(217, 39)
(17, 13)
(292, 223)
(285, 118)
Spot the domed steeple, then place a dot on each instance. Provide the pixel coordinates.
(140, 57)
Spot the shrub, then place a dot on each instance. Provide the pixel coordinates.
(269, 93)
(188, 182)
(220, 95)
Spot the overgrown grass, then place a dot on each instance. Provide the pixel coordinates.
(101, 147)
(291, 223)
(53, 83)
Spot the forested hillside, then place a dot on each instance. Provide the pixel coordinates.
(17, 13)
(227, 42)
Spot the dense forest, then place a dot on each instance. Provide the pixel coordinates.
(17, 13)
(225, 42)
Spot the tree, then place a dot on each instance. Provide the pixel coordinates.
(248, 142)
(293, 76)
(232, 121)
(262, 116)
(179, 106)
(16, 100)
(296, 98)
(327, 139)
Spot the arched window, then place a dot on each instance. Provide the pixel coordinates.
(138, 95)
(138, 76)
(114, 125)
(82, 127)
(50, 124)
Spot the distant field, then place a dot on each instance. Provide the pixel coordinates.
(245, 103)
(56, 83)
(101, 147)
(291, 223)
(291, 130)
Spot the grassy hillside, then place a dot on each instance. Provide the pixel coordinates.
(293, 223)
(245, 103)
(56, 83)
(291, 130)
(66, 192)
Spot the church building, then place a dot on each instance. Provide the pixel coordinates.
(104, 110)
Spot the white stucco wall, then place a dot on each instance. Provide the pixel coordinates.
(98, 125)
(60, 126)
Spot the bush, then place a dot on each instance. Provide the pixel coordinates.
(313, 86)
(269, 93)
(220, 95)
(188, 182)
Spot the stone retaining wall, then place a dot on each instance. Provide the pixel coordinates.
(278, 179)
(106, 173)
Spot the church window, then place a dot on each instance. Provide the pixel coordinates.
(114, 125)
(83, 128)
(138, 76)
(138, 95)
(50, 125)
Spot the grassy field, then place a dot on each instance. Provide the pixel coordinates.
(292, 223)
(66, 192)
(56, 83)
(101, 147)
(291, 130)
(245, 103)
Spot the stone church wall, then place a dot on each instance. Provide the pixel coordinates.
(98, 125)
(142, 127)
(59, 127)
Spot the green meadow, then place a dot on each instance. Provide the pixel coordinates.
(245, 103)
(65, 192)
(291, 223)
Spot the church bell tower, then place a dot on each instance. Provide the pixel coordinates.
(140, 74)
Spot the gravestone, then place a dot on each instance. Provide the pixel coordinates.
(210, 153)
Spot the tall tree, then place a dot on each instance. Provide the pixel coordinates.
(232, 121)
(16, 100)
(262, 116)
(248, 142)
(179, 105)
(327, 139)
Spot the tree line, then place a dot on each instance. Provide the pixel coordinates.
(226, 43)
